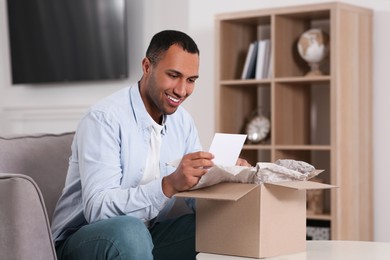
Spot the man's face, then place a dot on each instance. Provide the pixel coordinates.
(169, 82)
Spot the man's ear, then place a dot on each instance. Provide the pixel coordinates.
(146, 65)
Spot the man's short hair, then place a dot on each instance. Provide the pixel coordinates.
(161, 42)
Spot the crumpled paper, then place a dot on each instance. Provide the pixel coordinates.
(263, 172)
(284, 170)
(218, 174)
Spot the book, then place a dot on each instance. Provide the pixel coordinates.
(270, 67)
(263, 59)
(247, 60)
(249, 69)
(260, 59)
(267, 59)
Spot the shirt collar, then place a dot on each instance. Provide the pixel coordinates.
(141, 115)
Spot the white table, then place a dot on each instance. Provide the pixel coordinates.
(325, 250)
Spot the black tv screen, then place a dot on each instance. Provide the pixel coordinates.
(67, 40)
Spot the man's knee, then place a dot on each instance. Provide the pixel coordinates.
(131, 236)
(120, 237)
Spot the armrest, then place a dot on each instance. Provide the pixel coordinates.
(25, 229)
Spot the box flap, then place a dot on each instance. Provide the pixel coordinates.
(221, 191)
(303, 185)
(317, 172)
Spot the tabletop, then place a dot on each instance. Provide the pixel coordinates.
(325, 250)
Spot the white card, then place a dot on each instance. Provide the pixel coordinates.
(226, 148)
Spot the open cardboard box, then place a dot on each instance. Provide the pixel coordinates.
(252, 220)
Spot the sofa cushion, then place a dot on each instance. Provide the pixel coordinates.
(43, 157)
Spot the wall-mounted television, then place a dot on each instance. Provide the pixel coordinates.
(67, 40)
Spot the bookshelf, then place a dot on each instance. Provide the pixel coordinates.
(324, 120)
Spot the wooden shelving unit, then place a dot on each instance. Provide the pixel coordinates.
(324, 120)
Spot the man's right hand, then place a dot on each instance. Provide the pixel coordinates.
(191, 168)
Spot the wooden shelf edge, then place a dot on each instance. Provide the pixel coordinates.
(302, 147)
(240, 82)
(286, 147)
(257, 147)
(314, 79)
(326, 217)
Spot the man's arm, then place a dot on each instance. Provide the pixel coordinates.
(191, 168)
(101, 172)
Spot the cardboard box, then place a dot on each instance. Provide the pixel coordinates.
(252, 220)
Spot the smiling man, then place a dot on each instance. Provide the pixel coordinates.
(119, 184)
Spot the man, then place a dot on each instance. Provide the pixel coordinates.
(119, 179)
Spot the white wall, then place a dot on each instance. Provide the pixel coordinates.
(57, 107)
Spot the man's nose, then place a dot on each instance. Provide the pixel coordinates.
(181, 88)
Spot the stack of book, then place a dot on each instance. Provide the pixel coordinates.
(258, 60)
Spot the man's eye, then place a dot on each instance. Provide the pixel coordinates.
(174, 76)
(191, 80)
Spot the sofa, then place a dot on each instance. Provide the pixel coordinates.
(32, 175)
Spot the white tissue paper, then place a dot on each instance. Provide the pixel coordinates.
(218, 174)
(263, 172)
(284, 170)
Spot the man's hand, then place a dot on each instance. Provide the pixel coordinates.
(191, 168)
(242, 162)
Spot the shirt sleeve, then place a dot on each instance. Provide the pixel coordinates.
(101, 173)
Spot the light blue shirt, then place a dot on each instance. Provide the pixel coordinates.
(108, 159)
